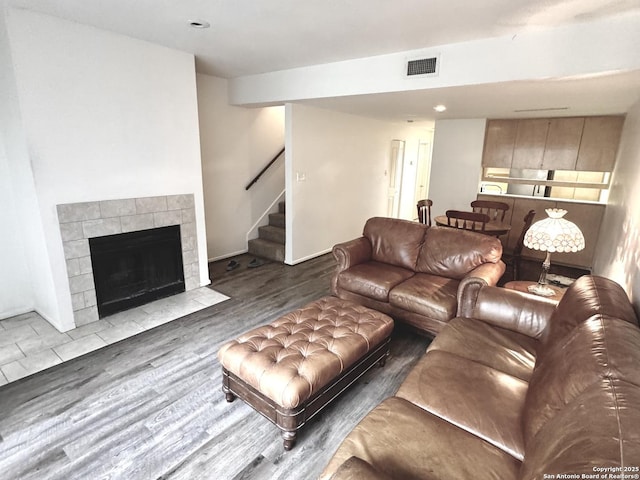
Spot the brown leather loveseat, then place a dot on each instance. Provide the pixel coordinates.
(413, 272)
(515, 388)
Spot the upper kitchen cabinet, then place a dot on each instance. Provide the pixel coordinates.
(499, 139)
(529, 147)
(563, 143)
(599, 145)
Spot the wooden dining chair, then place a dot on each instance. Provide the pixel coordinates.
(424, 211)
(517, 251)
(467, 220)
(495, 210)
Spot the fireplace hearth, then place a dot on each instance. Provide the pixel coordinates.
(131, 269)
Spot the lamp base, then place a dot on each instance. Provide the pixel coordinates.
(542, 290)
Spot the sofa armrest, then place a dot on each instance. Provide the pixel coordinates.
(509, 309)
(352, 252)
(470, 285)
(348, 254)
(357, 469)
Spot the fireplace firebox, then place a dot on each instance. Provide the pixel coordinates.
(131, 269)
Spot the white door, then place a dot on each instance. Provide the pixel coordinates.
(396, 161)
(423, 171)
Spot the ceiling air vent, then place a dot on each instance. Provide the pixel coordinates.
(422, 66)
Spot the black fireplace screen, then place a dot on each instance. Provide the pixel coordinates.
(132, 269)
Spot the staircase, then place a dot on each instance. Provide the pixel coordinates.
(271, 238)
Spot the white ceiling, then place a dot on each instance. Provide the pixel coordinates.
(601, 95)
(257, 36)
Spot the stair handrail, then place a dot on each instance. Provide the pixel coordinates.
(273, 160)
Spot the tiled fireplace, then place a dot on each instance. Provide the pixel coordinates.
(81, 221)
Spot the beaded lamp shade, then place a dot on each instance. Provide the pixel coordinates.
(553, 234)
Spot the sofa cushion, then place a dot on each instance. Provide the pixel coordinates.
(505, 350)
(357, 469)
(598, 348)
(393, 241)
(477, 398)
(405, 442)
(598, 429)
(428, 295)
(373, 279)
(453, 253)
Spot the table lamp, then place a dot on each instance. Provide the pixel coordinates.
(553, 234)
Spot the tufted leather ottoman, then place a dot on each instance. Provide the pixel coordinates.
(290, 369)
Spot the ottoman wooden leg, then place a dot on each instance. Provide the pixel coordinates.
(383, 361)
(228, 394)
(289, 439)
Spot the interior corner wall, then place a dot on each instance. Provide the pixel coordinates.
(336, 176)
(22, 246)
(16, 295)
(105, 117)
(456, 165)
(236, 143)
(618, 252)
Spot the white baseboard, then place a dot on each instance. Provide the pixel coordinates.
(309, 257)
(227, 255)
(14, 313)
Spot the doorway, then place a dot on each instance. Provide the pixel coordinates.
(423, 170)
(396, 163)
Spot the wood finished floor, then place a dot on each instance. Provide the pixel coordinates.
(151, 407)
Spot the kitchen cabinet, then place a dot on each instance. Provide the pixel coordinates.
(499, 139)
(529, 146)
(563, 143)
(599, 145)
(587, 216)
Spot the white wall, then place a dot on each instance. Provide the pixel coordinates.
(344, 159)
(618, 251)
(106, 117)
(236, 143)
(20, 291)
(16, 295)
(608, 44)
(456, 166)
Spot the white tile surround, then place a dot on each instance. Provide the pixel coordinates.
(29, 344)
(81, 221)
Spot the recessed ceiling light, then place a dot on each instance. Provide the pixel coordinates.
(199, 24)
(440, 108)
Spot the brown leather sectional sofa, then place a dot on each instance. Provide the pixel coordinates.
(413, 272)
(513, 388)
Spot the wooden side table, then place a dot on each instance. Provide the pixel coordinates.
(522, 286)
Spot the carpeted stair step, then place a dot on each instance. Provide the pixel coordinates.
(273, 234)
(260, 247)
(277, 220)
(281, 207)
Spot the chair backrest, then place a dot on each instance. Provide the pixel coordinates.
(528, 220)
(467, 220)
(495, 210)
(424, 211)
(517, 251)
